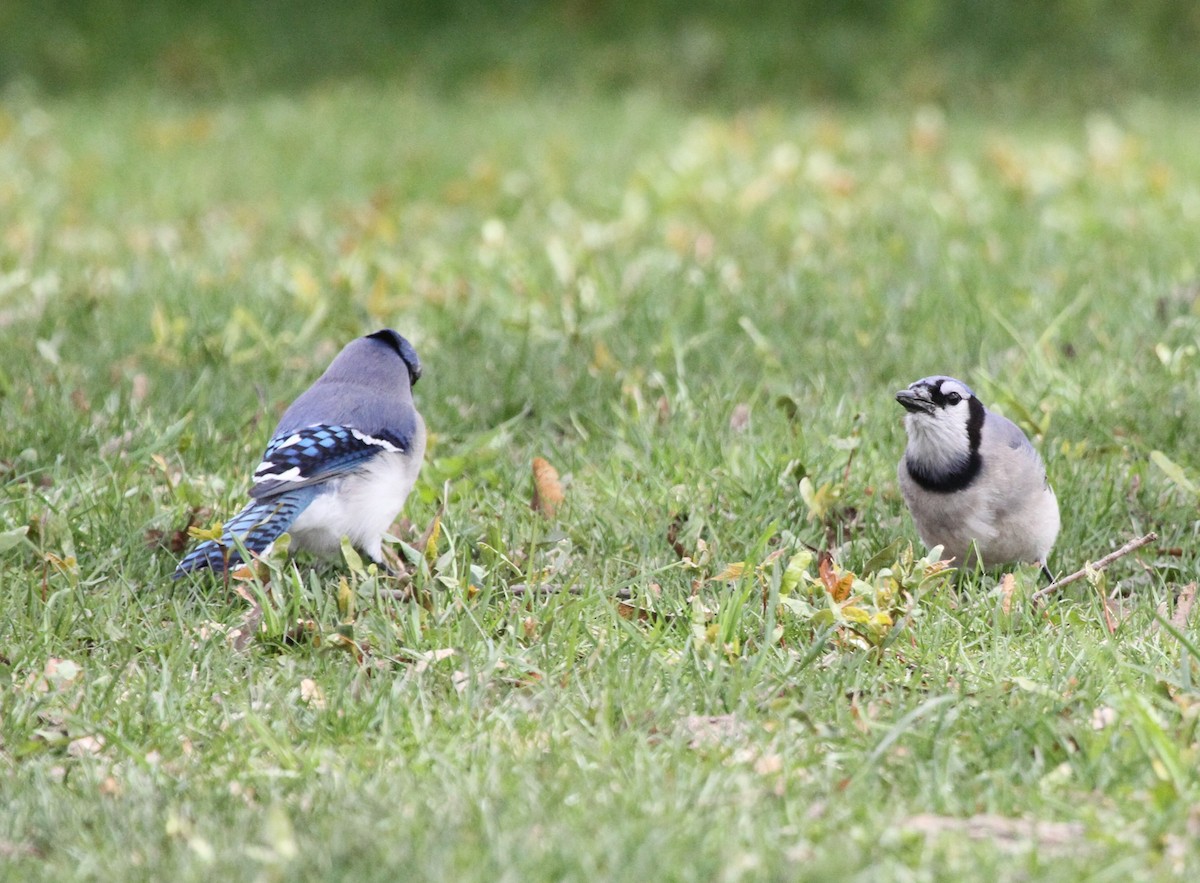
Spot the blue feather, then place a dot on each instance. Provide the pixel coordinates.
(261, 523)
(318, 453)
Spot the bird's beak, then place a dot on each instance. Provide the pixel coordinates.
(915, 401)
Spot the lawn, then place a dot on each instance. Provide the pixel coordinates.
(699, 317)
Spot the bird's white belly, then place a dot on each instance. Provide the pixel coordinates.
(361, 507)
(1000, 534)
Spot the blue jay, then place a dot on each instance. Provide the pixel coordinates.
(970, 476)
(340, 464)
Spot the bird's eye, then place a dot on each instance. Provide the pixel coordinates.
(953, 398)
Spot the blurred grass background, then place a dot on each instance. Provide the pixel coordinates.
(1024, 53)
(686, 252)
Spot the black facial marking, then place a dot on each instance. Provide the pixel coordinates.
(403, 349)
(961, 476)
(942, 399)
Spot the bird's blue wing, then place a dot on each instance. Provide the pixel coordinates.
(314, 454)
(256, 527)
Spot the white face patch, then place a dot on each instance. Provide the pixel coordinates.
(950, 386)
(939, 441)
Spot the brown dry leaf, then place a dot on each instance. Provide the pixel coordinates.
(1103, 716)
(311, 694)
(60, 673)
(423, 660)
(547, 491)
(673, 531)
(248, 573)
(240, 637)
(174, 542)
(713, 729)
(1008, 582)
(768, 764)
(1007, 833)
(1183, 606)
(638, 613)
(357, 649)
(9, 849)
(837, 587)
(85, 746)
(662, 410)
(1184, 603)
(139, 388)
(731, 571)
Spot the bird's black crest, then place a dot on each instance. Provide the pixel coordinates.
(403, 349)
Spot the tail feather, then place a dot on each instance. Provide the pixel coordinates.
(257, 526)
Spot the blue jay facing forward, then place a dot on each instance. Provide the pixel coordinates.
(969, 476)
(340, 464)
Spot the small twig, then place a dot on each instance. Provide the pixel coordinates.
(522, 590)
(1131, 546)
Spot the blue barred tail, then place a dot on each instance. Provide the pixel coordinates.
(257, 526)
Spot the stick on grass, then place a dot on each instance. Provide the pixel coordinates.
(1131, 546)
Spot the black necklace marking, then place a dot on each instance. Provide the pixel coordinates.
(960, 476)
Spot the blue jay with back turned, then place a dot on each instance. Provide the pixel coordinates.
(340, 464)
(971, 479)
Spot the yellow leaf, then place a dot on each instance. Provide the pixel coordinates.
(207, 533)
(547, 490)
(311, 694)
(797, 566)
(353, 559)
(345, 601)
(731, 572)
(856, 614)
(818, 500)
(433, 534)
(1174, 472)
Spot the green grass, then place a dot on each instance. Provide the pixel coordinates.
(600, 282)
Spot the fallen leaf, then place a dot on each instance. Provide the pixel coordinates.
(429, 657)
(837, 587)
(1174, 472)
(11, 538)
(1006, 833)
(732, 571)
(85, 746)
(60, 673)
(1184, 603)
(1104, 716)
(9, 849)
(768, 764)
(311, 694)
(713, 729)
(139, 388)
(240, 637)
(673, 531)
(547, 490)
(1008, 582)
